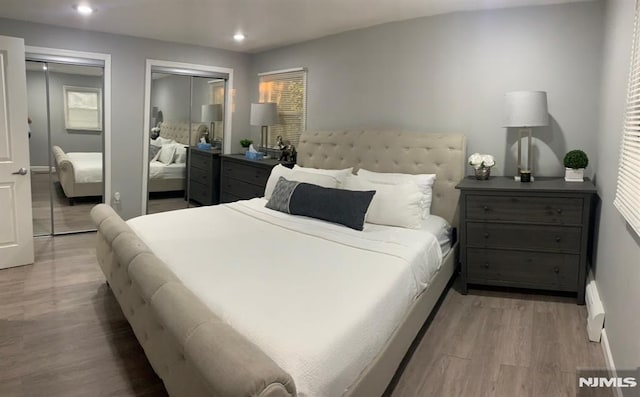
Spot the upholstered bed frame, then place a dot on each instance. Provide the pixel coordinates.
(178, 131)
(195, 352)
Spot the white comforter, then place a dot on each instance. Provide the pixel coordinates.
(87, 168)
(320, 299)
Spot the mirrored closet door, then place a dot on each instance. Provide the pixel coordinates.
(187, 109)
(65, 102)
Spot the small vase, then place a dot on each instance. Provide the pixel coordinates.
(482, 173)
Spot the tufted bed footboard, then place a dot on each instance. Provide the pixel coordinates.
(190, 348)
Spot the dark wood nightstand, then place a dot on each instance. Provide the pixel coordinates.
(244, 179)
(530, 235)
(204, 176)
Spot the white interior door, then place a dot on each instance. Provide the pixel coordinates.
(16, 229)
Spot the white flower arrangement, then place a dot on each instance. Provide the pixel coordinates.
(478, 161)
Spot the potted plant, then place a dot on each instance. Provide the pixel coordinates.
(575, 161)
(245, 143)
(482, 164)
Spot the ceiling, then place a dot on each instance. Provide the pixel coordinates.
(266, 23)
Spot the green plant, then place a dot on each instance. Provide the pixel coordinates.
(245, 142)
(576, 159)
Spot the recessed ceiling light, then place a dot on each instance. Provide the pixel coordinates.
(239, 37)
(44, 66)
(84, 9)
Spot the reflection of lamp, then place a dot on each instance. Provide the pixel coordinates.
(525, 109)
(264, 115)
(210, 114)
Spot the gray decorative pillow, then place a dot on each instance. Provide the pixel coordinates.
(281, 195)
(153, 150)
(346, 207)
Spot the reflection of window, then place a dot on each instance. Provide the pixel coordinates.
(82, 108)
(288, 90)
(627, 199)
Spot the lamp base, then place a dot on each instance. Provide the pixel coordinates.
(517, 178)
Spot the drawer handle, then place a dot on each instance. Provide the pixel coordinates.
(486, 265)
(559, 211)
(485, 208)
(556, 270)
(486, 235)
(558, 239)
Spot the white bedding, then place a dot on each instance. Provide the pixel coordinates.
(320, 299)
(158, 170)
(87, 168)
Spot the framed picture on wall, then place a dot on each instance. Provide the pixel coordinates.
(82, 108)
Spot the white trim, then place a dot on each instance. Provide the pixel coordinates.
(107, 103)
(282, 71)
(608, 358)
(147, 113)
(42, 168)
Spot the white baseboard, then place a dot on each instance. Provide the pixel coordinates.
(608, 358)
(42, 169)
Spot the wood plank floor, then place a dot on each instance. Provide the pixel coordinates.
(73, 218)
(62, 334)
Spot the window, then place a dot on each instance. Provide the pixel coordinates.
(82, 108)
(288, 90)
(628, 191)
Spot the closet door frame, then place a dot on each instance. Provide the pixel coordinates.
(147, 112)
(106, 126)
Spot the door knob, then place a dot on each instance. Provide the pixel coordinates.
(21, 171)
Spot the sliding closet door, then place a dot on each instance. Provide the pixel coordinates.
(39, 148)
(66, 145)
(169, 138)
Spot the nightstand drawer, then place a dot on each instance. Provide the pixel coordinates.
(246, 173)
(523, 236)
(226, 197)
(200, 160)
(201, 176)
(240, 188)
(523, 269)
(200, 193)
(552, 210)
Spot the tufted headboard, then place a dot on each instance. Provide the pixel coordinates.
(393, 151)
(179, 131)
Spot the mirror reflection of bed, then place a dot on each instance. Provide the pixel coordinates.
(65, 124)
(168, 164)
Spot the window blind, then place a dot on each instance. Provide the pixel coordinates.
(627, 199)
(288, 91)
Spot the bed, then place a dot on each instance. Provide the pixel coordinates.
(204, 335)
(80, 173)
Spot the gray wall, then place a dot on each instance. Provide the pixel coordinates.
(128, 56)
(618, 268)
(172, 95)
(448, 73)
(69, 141)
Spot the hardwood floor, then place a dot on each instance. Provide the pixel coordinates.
(67, 218)
(61, 330)
(73, 218)
(62, 334)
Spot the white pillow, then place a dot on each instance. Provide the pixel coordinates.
(180, 156)
(163, 141)
(340, 175)
(424, 182)
(393, 205)
(165, 154)
(296, 175)
(155, 142)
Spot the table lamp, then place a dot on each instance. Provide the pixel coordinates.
(210, 114)
(264, 115)
(524, 110)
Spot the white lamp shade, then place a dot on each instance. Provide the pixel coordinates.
(211, 113)
(264, 114)
(526, 109)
